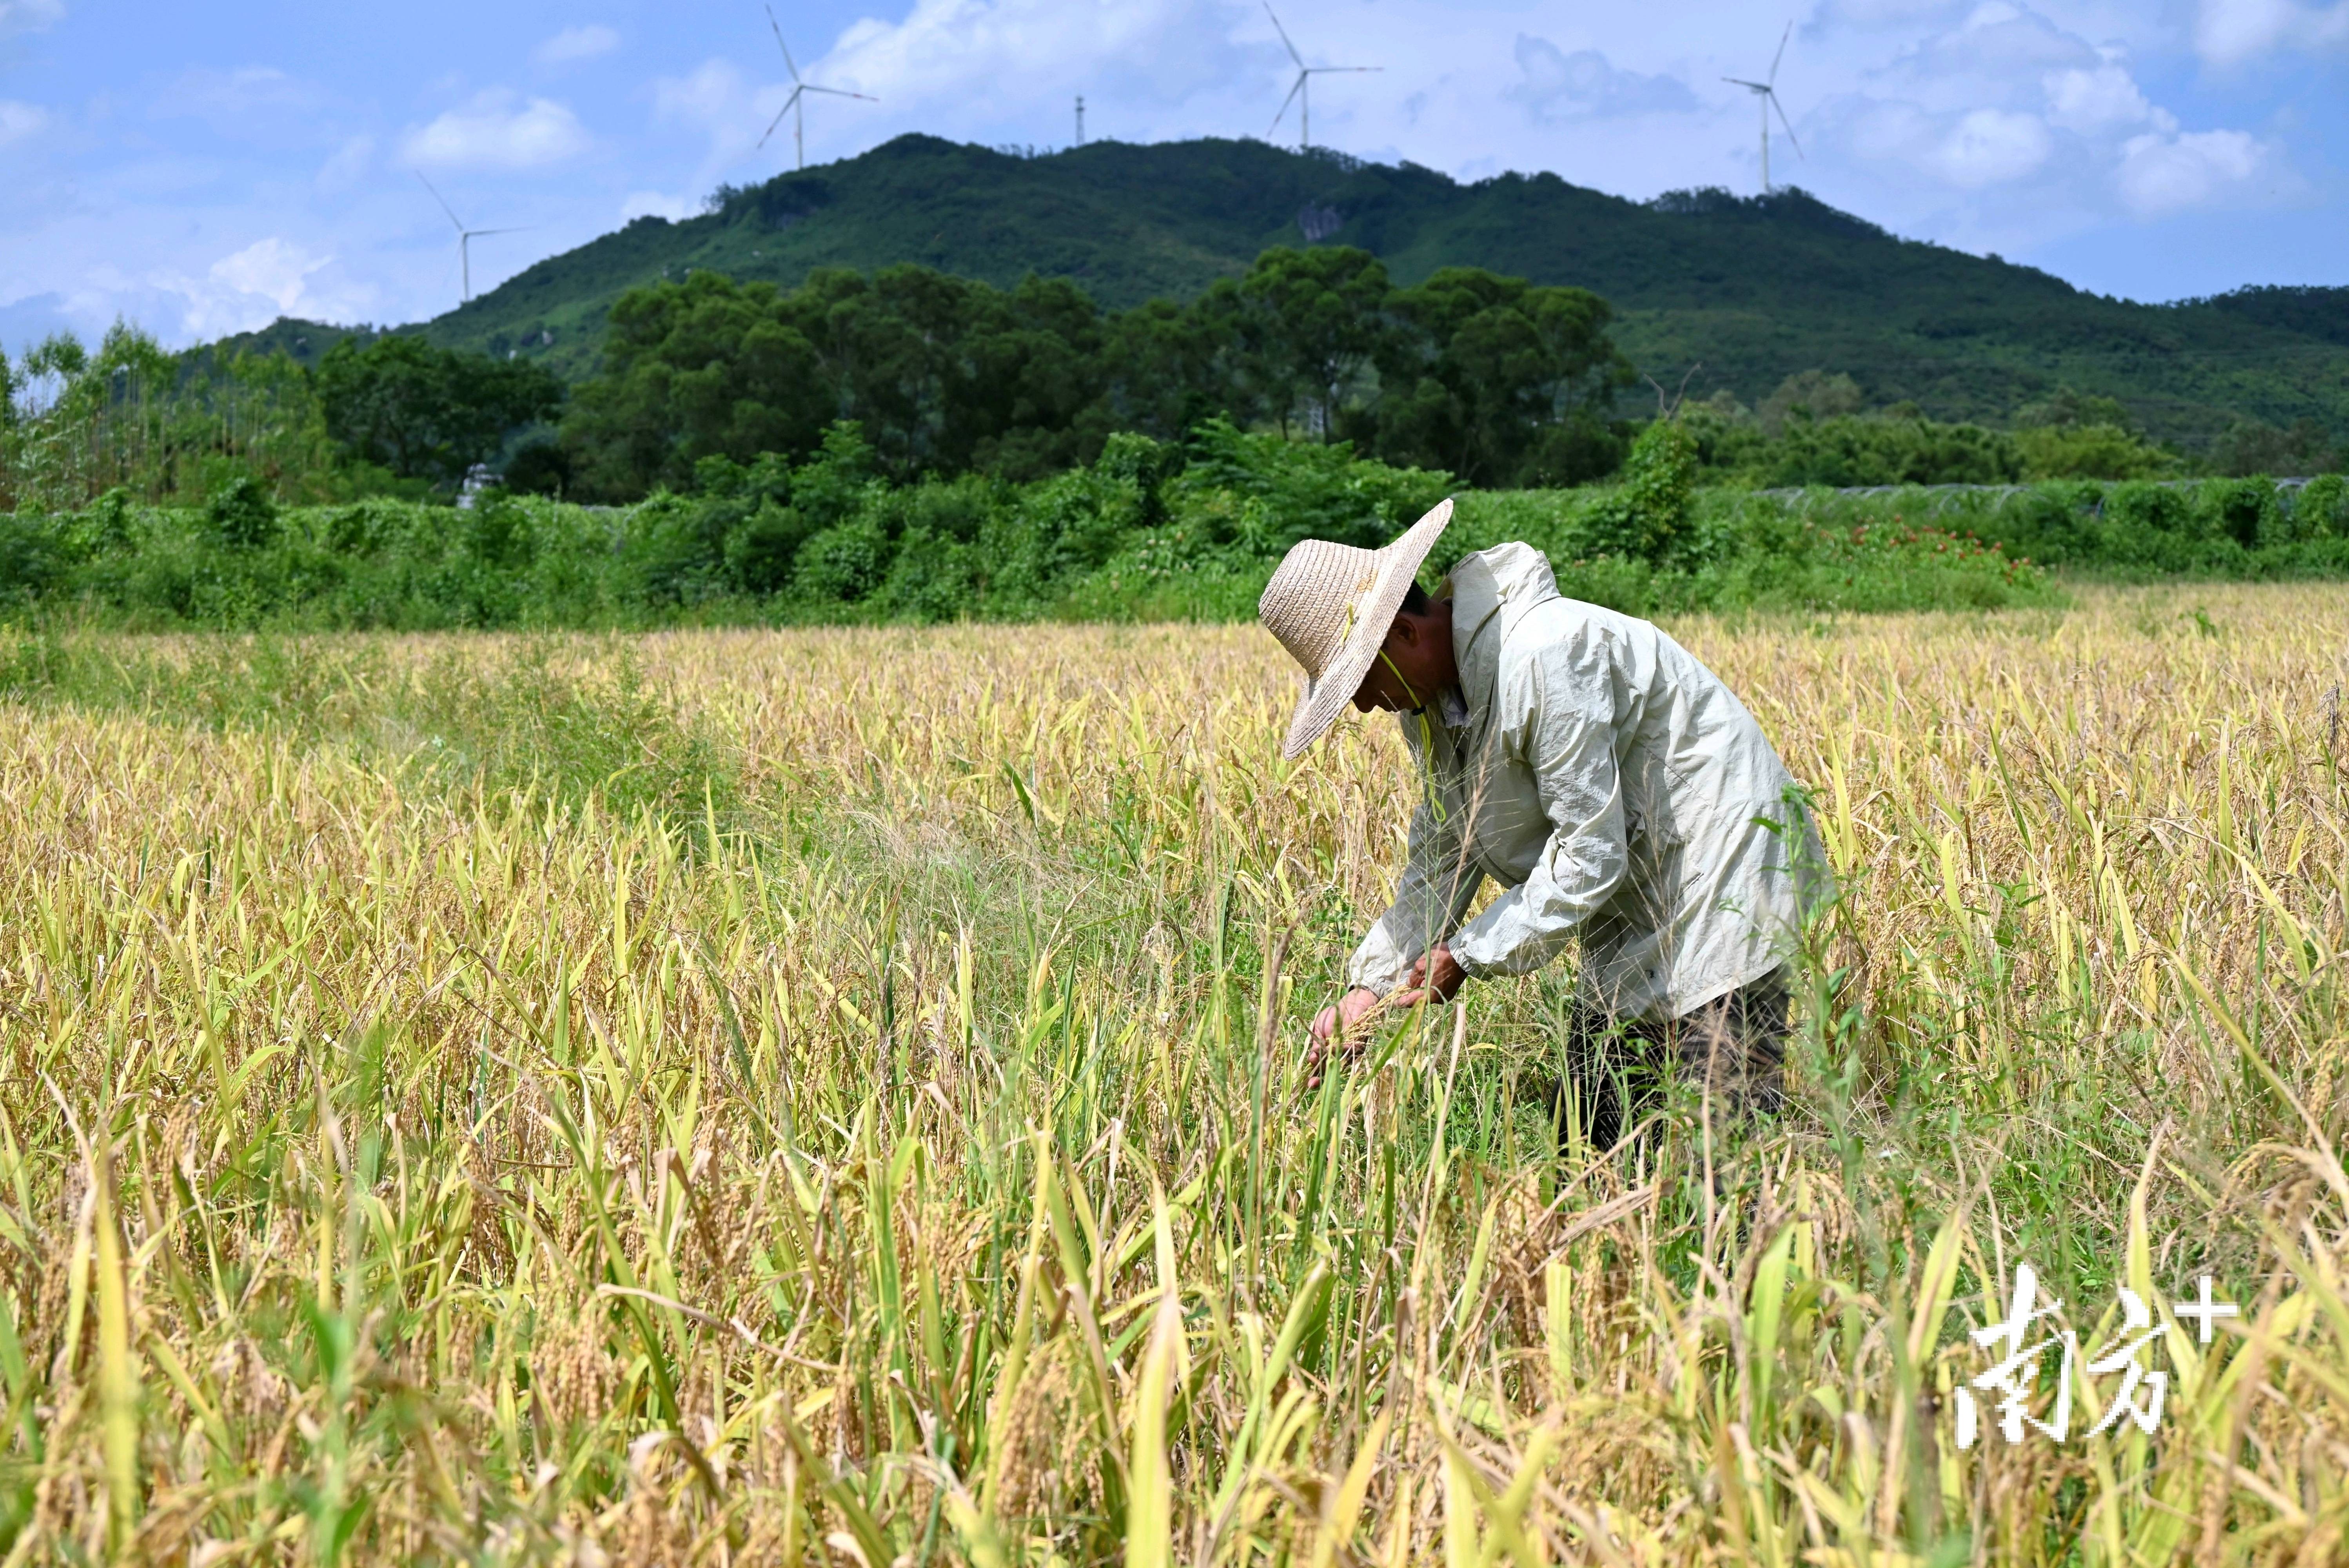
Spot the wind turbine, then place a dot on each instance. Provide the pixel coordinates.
(1767, 93)
(791, 104)
(465, 237)
(1304, 74)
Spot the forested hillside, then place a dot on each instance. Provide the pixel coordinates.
(1753, 290)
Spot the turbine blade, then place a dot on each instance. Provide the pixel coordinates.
(1787, 123)
(1284, 38)
(1781, 54)
(779, 115)
(786, 48)
(838, 92)
(477, 233)
(435, 196)
(1750, 87)
(1333, 70)
(1285, 103)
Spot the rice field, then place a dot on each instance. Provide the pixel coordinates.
(839, 1097)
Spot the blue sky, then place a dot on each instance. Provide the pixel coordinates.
(203, 169)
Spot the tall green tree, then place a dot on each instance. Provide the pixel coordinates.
(1485, 375)
(942, 374)
(1028, 389)
(1170, 370)
(58, 360)
(160, 426)
(945, 374)
(1850, 450)
(424, 412)
(2252, 447)
(1304, 327)
(1501, 382)
(704, 368)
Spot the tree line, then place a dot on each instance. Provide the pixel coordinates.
(382, 414)
(1493, 380)
(1489, 380)
(1499, 382)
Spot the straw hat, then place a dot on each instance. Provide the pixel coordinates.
(1331, 605)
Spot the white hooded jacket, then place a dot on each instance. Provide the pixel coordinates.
(1590, 765)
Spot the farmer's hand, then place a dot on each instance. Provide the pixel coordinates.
(1433, 979)
(1339, 1022)
(1335, 1027)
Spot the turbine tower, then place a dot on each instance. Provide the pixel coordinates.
(1301, 91)
(465, 237)
(1765, 92)
(799, 89)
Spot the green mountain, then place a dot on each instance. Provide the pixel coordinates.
(1747, 290)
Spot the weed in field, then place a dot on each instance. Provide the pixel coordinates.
(574, 722)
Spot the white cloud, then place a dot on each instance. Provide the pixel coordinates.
(1936, 155)
(251, 287)
(2097, 99)
(654, 205)
(1995, 57)
(495, 131)
(1887, 13)
(975, 58)
(2230, 32)
(2159, 174)
(1557, 85)
(2010, 127)
(583, 43)
(732, 113)
(720, 104)
(714, 99)
(1992, 147)
(27, 15)
(348, 165)
(21, 122)
(270, 268)
(226, 96)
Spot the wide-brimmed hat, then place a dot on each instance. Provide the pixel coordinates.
(1331, 605)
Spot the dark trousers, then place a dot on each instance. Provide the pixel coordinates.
(1734, 1050)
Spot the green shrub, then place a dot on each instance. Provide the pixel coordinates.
(32, 558)
(843, 564)
(2092, 451)
(243, 514)
(1153, 530)
(1873, 450)
(1644, 517)
(2244, 511)
(931, 579)
(2321, 509)
(1268, 493)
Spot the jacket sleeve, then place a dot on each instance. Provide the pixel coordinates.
(1564, 727)
(1438, 884)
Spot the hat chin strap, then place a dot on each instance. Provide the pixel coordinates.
(1426, 742)
(1409, 690)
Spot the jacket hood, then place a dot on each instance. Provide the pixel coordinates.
(1489, 592)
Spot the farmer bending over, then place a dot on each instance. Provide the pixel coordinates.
(1588, 763)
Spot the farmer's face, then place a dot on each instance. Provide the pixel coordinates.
(1385, 690)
